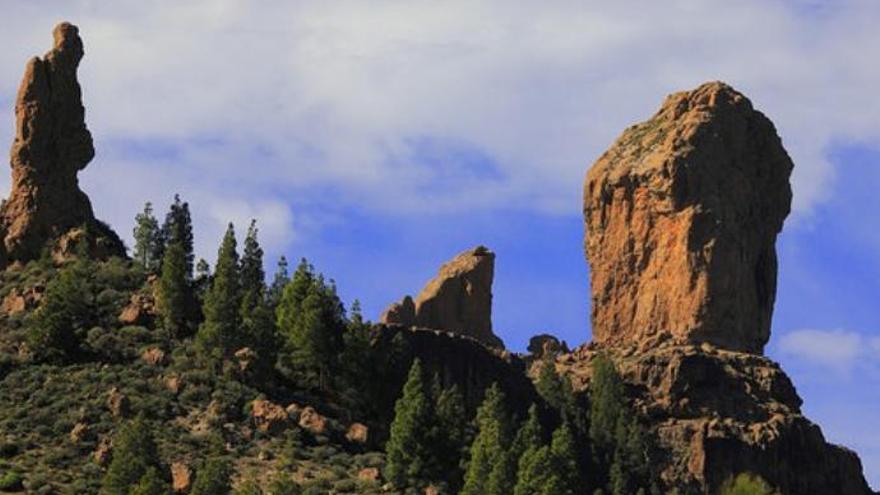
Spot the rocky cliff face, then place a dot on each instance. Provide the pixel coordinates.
(682, 214)
(46, 208)
(458, 300)
(718, 413)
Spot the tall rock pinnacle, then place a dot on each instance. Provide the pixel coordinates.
(52, 144)
(458, 300)
(682, 214)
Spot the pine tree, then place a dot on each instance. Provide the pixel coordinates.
(279, 281)
(607, 402)
(532, 457)
(253, 279)
(202, 280)
(178, 229)
(134, 453)
(449, 435)
(408, 452)
(535, 472)
(175, 296)
(563, 450)
(530, 434)
(218, 336)
(147, 239)
(58, 327)
(213, 478)
(258, 325)
(489, 459)
(151, 484)
(311, 320)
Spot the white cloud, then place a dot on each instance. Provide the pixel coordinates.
(841, 350)
(296, 97)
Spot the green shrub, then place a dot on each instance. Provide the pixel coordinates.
(11, 481)
(746, 484)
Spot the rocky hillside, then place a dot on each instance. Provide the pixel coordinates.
(154, 374)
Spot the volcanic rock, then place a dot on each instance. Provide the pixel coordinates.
(682, 214)
(181, 477)
(269, 417)
(46, 207)
(458, 300)
(357, 433)
(717, 413)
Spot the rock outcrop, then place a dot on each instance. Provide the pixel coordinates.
(46, 208)
(682, 214)
(458, 300)
(717, 413)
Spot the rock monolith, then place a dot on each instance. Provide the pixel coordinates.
(682, 214)
(46, 208)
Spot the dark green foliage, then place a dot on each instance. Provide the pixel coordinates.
(564, 456)
(11, 481)
(59, 326)
(311, 321)
(212, 478)
(279, 281)
(535, 472)
(257, 318)
(147, 240)
(151, 483)
(218, 336)
(530, 435)
(488, 469)
(557, 391)
(175, 294)
(607, 403)
(202, 280)
(746, 484)
(134, 453)
(177, 229)
(449, 438)
(408, 450)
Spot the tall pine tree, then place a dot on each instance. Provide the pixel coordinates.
(408, 450)
(279, 281)
(147, 239)
(311, 321)
(218, 336)
(178, 229)
(489, 457)
(151, 483)
(175, 293)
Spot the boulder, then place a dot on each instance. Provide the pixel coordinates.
(140, 310)
(46, 207)
(682, 214)
(369, 474)
(310, 419)
(19, 301)
(79, 432)
(544, 345)
(153, 356)
(458, 299)
(102, 452)
(269, 417)
(118, 403)
(357, 433)
(181, 477)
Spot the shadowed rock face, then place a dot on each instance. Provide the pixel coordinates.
(52, 144)
(458, 300)
(682, 214)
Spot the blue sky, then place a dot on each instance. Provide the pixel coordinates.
(380, 138)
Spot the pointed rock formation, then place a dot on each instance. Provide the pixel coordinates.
(458, 300)
(46, 207)
(682, 214)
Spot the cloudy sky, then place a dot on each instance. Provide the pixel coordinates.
(378, 139)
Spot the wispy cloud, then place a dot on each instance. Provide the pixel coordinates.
(839, 350)
(293, 98)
